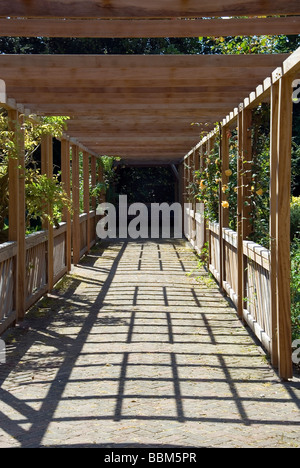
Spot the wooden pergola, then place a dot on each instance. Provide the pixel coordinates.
(135, 107)
(153, 109)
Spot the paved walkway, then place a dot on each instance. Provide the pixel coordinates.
(132, 350)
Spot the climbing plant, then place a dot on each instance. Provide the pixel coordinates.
(41, 191)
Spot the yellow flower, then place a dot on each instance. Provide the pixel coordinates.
(225, 204)
(224, 188)
(202, 185)
(228, 173)
(259, 192)
(252, 188)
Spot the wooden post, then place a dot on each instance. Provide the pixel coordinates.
(246, 172)
(86, 196)
(224, 177)
(196, 164)
(197, 160)
(240, 201)
(285, 112)
(210, 148)
(273, 217)
(16, 174)
(185, 179)
(94, 179)
(203, 150)
(76, 204)
(102, 197)
(188, 161)
(47, 169)
(224, 212)
(66, 181)
(181, 193)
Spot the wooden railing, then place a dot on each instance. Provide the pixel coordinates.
(257, 310)
(230, 280)
(8, 253)
(60, 252)
(36, 267)
(36, 264)
(256, 297)
(87, 223)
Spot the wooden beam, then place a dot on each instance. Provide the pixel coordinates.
(145, 9)
(16, 207)
(76, 207)
(66, 182)
(284, 143)
(13, 188)
(47, 169)
(273, 220)
(209, 100)
(148, 28)
(100, 179)
(93, 180)
(224, 212)
(144, 75)
(141, 62)
(247, 227)
(3, 97)
(240, 202)
(93, 88)
(76, 83)
(21, 269)
(150, 94)
(143, 140)
(86, 195)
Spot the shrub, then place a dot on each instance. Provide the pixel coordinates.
(295, 287)
(295, 218)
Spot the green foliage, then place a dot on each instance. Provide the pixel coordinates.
(109, 169)
(295, 218)
(254, 44)
(32, 129)
(295, 288)
(110, 178)
(98, 189)
(207, 187)
(45, 198)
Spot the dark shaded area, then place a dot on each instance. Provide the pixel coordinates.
(147, 184)
(43, 45)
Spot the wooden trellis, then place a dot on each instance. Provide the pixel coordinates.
(152, 109)
(231, 255)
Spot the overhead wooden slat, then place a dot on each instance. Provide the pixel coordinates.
(149, 99)
(149, 28)
(135, 106)
(136, 91)
(12, 79)
(117, 62)
(146, 9)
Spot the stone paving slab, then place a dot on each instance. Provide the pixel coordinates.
(137, 348)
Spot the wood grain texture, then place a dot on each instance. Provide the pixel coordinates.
(145, 9)
(148, 28)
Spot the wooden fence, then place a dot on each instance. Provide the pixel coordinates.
(256, 279)
(257, 311)
(36, 266)
(8, 255)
